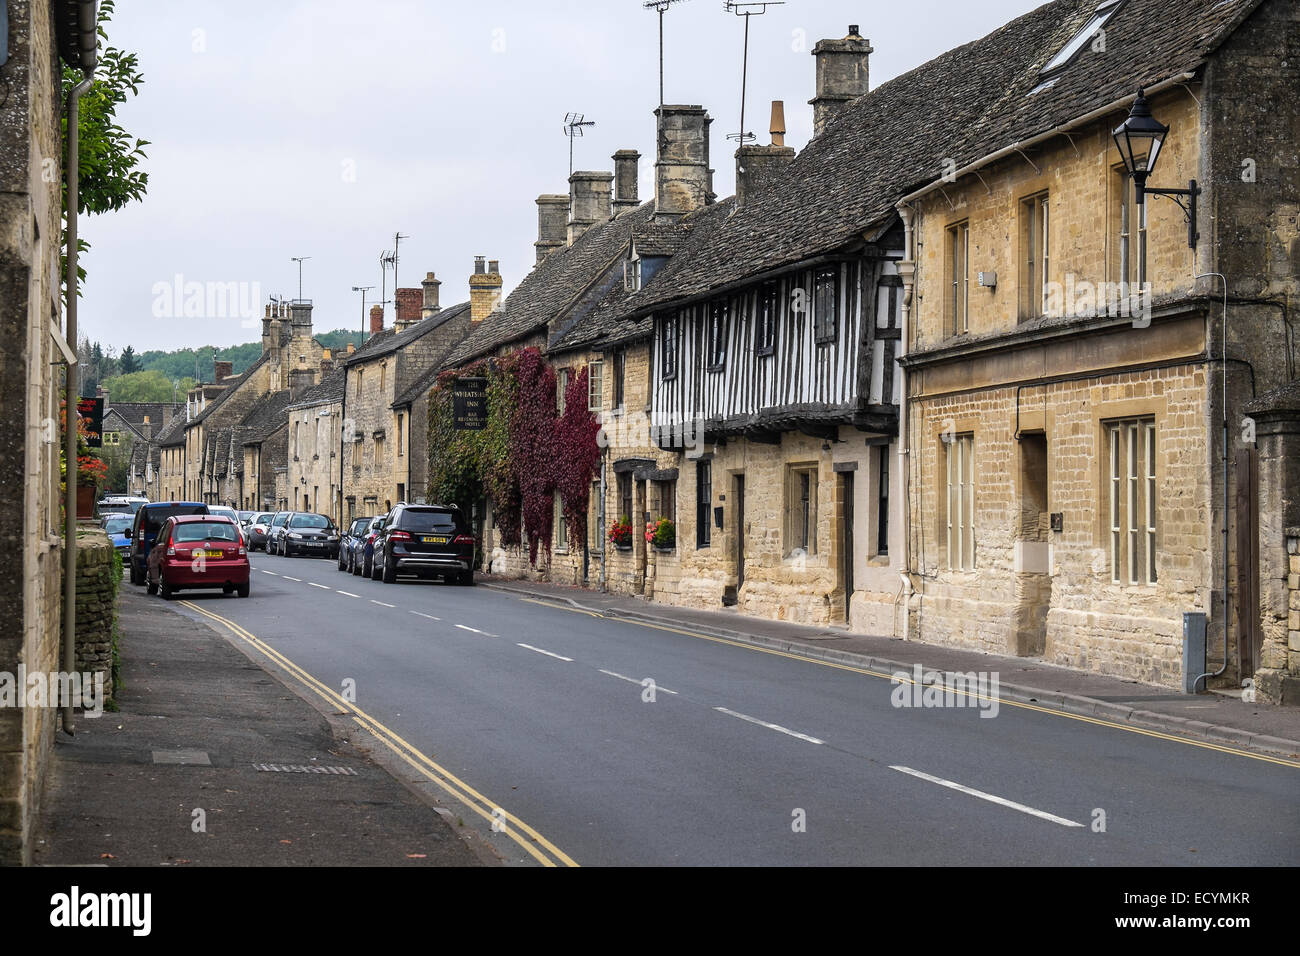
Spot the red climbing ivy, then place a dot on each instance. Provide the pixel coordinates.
(525, 454)
(577, 456)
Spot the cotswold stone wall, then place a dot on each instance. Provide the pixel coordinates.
(97, 586)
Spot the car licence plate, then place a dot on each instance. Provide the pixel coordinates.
(212, 554)
(433, 539)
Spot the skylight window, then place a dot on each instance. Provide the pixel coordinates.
(1105, 10)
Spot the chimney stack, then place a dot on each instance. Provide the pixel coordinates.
(376, 319)
(683, 179)
(351, 348)
(626, 162)
(590, 194)
(841, 75)
(222, 371)
(430, 306)
(300, 379)
(484, 289)
(326, 363)
(407, 308)
(147, 428)
(755, 165)
(552, 224)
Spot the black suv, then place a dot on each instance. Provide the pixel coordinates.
(427, 541)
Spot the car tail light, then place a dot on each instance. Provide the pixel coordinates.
(463, 539)
(400, 536)
(243, 551)
(171, 552)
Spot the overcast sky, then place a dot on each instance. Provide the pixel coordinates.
(282, 128)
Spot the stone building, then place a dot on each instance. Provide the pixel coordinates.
(769, 336)
(213, 453)
(42, 35)
(1070, 494)
(264, 440)
(560, 308)
(315, 426)
(385, 378)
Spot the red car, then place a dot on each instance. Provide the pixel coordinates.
(198, 551)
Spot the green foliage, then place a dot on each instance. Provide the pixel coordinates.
(525, 453)
(664, 534)
(151, 386)
(337, 341)
(198, 362)
(109, 159)
(128, 364)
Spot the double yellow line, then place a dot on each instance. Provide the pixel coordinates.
(536, 845)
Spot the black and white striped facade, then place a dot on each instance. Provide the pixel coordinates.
(811, 349)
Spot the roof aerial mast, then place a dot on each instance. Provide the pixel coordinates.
(742, 10)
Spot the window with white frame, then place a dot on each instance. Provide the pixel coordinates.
(1131, 500)
(561, 388)
(595, 386)
(1035, 249)
(959, 498)
(958, 300)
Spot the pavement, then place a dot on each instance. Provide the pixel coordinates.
(172, 778)
(1214, 717)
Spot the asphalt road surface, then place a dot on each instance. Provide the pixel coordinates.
(736, 755)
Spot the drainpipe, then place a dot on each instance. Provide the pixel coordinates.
(1224, 462)
(604, 558)
(907, 269)
(70, 386)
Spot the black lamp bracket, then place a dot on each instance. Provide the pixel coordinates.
(1186, 199)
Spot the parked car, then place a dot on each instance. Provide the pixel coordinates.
(257, 529)
(198, 551)
(148, 522)
(118, 529)
(119, 504)
(424, 540)
(246, 518)
(274, 530)
(309, 533)
(356, 531)
(233, 515)
(363, 549)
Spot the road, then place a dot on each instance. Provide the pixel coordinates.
(738, 755)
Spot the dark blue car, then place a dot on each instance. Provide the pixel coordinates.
(148, 521)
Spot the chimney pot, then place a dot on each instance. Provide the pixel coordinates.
(376, 319)
(777, 127)
(484, 290)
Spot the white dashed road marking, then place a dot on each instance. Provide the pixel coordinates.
(633, 680)
(349, 594)
(764, 723)
(988, 796)
(264, 571)
(429, 616)
(547, 653)
(381, 603)
(287, 578)
(323, 587)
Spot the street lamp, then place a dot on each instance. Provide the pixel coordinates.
(1141, 132)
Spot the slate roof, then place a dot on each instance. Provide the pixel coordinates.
(266, 416)
(390, 340)
(232, 385)
(425, 380)
(133, 413)
(173, 433)
(961, 106)
(555, 285)
(329, 389)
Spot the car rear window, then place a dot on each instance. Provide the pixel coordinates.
(204, 531)
(154, 517)
(117, 525)
(428, 521)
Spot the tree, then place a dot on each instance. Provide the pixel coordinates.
(150, 386)
(127, 362)
(108, 156)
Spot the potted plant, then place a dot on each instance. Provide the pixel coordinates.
(662, 534)
(620, 534)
